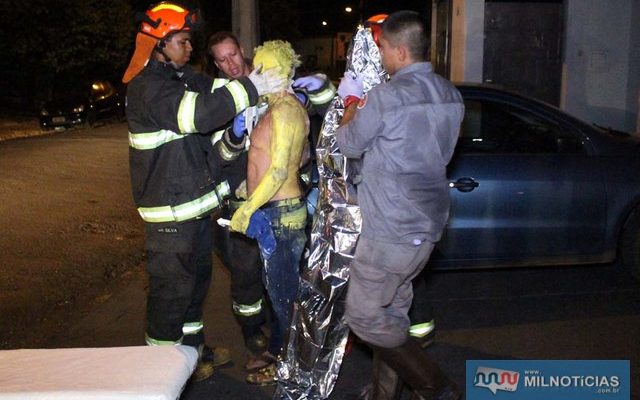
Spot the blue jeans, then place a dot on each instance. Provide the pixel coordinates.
(281, 272)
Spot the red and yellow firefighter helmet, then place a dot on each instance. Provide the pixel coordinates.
(158, 23)
(163, 19)
(375, 24)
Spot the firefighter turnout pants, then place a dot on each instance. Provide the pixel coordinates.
(179, 264)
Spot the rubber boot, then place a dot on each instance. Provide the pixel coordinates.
(386, 384)
(416, 369)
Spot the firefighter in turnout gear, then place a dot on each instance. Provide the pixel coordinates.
(176, 171)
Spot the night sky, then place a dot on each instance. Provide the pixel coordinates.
(313, 13)
(307, 15)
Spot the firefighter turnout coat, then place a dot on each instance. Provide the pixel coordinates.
(175, 169)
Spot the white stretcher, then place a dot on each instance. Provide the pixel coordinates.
(118, 373)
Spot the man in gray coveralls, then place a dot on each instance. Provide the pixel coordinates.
(405, 132)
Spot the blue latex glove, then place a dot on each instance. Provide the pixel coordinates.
(350, 85)
(302, 97)
(311, 82)
(260, 229)
(239, 125)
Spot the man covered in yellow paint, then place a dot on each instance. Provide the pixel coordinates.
(275, 212)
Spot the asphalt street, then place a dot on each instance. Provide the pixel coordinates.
(562, 313)
(522, 314)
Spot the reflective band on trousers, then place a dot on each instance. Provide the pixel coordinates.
(152, 140)
(239, 94)
(420, 330)
(191, 328)
(324, 96)
(187, 112)
(186, 211)
(247, 310)
(155, 342)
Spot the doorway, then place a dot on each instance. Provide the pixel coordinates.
(523, 47)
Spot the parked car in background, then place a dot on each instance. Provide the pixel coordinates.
(532, 186)
(81, 104)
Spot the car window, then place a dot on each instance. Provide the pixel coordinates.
(493, 127)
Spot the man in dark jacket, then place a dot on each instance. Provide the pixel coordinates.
(175, 171)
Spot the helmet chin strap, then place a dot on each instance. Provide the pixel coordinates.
(167, 60)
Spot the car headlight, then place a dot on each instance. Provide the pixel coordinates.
(79, 109)
(44, 112)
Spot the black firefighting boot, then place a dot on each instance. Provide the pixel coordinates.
(254, 339)
(416, 369)
(386, 384)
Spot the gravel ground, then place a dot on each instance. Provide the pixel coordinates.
(70, 228)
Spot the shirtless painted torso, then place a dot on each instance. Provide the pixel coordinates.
(277, 144)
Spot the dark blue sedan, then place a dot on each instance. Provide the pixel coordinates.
(532, 185)
(81, 104)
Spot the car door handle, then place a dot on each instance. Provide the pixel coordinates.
(464, 184)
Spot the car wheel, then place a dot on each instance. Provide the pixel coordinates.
(630, 244)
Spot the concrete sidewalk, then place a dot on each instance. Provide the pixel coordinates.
(17, 127)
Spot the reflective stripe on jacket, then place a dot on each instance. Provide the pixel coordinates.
(175, 170)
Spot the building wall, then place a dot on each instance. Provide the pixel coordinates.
(474, 44)
(600, 72)
(458, 39)
(467, 40)
(601, 68)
